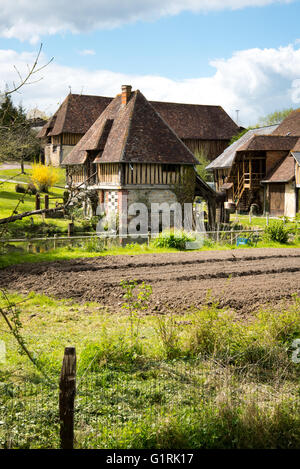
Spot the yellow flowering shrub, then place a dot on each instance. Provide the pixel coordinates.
(44, 176)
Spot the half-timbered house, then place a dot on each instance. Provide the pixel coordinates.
(203, 129)
(131, 151)
(262, 168)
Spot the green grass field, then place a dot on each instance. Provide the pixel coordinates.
(256, 221)
(23, 228)
(192, 379)
(9, 199)
(68, 253)
(15, 174)
(200, 378)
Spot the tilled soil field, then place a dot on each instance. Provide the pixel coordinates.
(241, 279)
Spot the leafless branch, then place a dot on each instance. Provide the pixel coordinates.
(19, 216)
(13, 218)
(30, 72)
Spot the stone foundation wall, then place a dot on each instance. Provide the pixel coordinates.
(150, 196)
(119, 201)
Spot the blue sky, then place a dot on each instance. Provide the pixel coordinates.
(199, 51)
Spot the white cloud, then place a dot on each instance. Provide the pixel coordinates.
(28, 20)
(87, 52)
(255, 81)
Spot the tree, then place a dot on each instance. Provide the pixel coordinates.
(9, 113)
(17, 140)
(16, 136)
(275, 117)
(240, 134)
(31, 71)
(201, 166)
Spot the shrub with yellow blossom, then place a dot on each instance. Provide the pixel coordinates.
(44, 176)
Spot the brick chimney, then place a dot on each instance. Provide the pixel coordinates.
(126, 93)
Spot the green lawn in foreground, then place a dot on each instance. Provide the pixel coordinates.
(193, 379)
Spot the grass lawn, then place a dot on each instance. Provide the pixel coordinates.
(203, 380)
(256, 222)
(15, 174)
(88, 250)
(41, 226)
(8, 202)
(9, 199)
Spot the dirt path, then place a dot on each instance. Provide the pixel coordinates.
(13, 165)
(242, 279)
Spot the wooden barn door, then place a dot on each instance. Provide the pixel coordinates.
(277, 199)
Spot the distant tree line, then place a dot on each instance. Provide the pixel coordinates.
(273, 118)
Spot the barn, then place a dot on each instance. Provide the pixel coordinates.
(262, 168)
(202, 128)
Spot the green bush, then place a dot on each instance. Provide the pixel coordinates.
(282, 326)
(91, 224)
(20, 189)
(94, 245)
(277, 231)
(208, 243)
(175, 239)
(168, 333)
(32, 189)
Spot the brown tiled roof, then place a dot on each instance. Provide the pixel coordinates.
(190, 121)
(194, 121)
(283, 172)
(269, 142)
(46, 128)
(131, 133)
(92, 138)
(297, 146)
(290, 125)
(227, 158)
(75, 115)
(37, 122)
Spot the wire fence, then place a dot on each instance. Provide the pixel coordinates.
(153, 404)
(85, 240)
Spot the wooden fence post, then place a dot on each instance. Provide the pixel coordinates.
(37, 202)
(46, 201)
(67, 386)
(70, 229)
